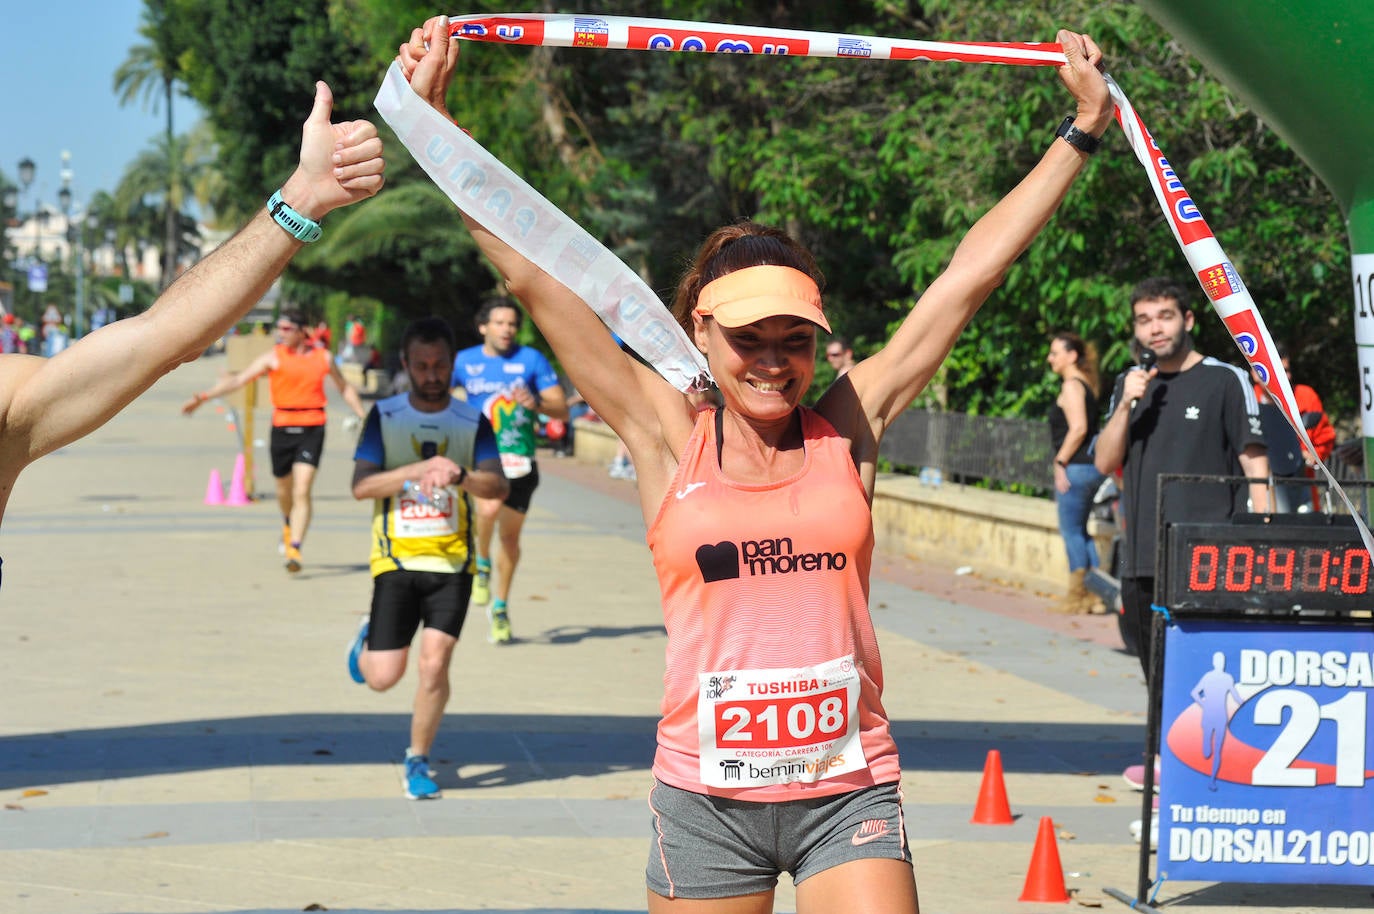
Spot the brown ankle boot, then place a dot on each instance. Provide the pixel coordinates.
(1076, 600)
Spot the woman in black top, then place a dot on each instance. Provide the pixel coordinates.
(1073, 423)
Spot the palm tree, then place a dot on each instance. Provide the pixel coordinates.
(151, 72)
(188, 161)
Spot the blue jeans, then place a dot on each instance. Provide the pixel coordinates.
(1074, 506)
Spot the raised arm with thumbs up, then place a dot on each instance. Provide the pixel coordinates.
(339, 163)
(47, 403)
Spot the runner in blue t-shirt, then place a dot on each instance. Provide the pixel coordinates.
(511, 384)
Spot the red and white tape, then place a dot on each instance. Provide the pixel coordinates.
(634, 34)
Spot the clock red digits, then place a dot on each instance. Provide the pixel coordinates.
(1315, 564)
(1355, 560)
(1203, 574)
(1240, 564)
(1280, 569)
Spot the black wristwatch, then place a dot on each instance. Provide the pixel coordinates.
(462, 474)
(1083, 142)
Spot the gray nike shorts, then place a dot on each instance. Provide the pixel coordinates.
(712, 847)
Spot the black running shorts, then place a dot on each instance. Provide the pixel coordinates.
(402, 600)
(522, 491)
(292, 444)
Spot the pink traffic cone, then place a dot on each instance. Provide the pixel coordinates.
(214, 489)
(238, 494)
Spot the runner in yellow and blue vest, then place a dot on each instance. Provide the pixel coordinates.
(421, 456)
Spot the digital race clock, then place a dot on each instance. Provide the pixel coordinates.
(1276, 567)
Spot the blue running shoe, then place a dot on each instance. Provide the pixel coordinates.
(419, 784)
(355, 650)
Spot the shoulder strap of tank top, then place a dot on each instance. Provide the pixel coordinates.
(720, 438)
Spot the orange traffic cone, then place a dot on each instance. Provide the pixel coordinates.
(214, 489)
(1045, 878)
(238, 493)
(992, 808)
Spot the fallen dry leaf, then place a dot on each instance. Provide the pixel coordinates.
(1104, 798)
(154, 834)
(34, 792)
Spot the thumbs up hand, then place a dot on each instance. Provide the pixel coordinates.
(339, 163)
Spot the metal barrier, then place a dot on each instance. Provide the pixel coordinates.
(957, 447)
(968, 448)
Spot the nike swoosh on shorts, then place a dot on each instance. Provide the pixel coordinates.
(871, 830)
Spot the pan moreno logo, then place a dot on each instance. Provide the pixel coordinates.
(725, 560)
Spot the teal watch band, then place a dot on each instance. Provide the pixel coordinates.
(300, 227)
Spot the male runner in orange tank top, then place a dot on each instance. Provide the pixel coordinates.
(296, 370)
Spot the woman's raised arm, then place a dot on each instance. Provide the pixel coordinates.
(889, 381)
(636, 403)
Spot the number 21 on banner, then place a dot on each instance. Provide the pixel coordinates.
(1275, 768)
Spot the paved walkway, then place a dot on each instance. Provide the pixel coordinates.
(179, 735)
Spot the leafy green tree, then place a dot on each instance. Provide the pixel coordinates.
(253, 68)
(143, 187)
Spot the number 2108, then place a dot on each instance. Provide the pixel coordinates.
(789, 722)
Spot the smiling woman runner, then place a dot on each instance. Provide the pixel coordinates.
(774, 753)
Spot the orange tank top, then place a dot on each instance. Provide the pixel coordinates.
(773, 686)
(297, 386)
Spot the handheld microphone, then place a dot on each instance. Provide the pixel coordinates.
(1147, 361)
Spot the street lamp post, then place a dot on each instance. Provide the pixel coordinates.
(64, 200)
(83, 244)
(26, 173)
(11, 202)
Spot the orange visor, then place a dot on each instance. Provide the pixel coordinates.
(754, 293)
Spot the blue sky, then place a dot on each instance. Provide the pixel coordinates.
(57, 63)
